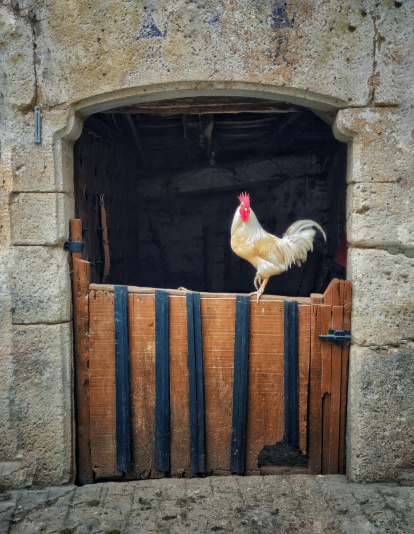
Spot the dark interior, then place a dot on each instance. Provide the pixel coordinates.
(170, 173)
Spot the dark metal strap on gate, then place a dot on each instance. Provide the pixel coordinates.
(291, 373)
(74, 246)
(196, 382)
(123, 419)
(162, 381)
(241, 363)
(339, 337)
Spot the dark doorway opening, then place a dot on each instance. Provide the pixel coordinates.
(168, 175)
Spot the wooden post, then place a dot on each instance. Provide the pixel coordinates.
(75, 228)
(80, 289)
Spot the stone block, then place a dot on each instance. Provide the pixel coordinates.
(381, 214)
(381, 147)
(382, 296)
(380, 428)
(40, 285)
(8, 439)
(35, 166)
(187, 46)
(394, 45)
(41, 218)
(42, 409)
(17, 71)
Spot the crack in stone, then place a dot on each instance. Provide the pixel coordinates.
(374, 78)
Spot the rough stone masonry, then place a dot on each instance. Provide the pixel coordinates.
(349, 61)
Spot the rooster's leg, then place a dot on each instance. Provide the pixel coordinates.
(257, 281)
(261, 289)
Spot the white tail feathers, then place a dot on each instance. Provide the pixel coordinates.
(299, 238)
(305, 224)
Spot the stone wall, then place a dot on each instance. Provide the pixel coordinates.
(348, 60)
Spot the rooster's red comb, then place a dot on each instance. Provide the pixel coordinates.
(245, 199)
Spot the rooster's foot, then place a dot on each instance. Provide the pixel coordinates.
(258, 294)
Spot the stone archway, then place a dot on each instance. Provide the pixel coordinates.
(368, 171)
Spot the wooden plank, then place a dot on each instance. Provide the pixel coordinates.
(320, 318)
(192, 383)
(332, 293)
(218, 382)
(326, 384)
(241, 367)
(142, 384)
(206, 105)
(102, 393)
(179, 389)
(316, 298)
(80, 289)
(162, 382)
(342, 285)
(304, 361)
(347, 304)
(213, 296)
(265, 406)
(123, 411)
(291, 373)
(344, 377)
(333, 466)
(326, 419)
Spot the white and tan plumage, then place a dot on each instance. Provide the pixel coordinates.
(268, 253)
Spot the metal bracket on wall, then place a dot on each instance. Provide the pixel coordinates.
(74, 246)
(38, 125)
(339, 337)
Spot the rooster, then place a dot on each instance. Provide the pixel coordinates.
(267, 253)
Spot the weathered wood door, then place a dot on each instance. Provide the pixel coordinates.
(184, 383)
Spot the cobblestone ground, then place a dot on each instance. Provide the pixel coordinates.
(280, 504)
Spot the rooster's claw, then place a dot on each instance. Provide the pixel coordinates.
(258, 294)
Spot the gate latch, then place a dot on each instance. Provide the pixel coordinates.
(339, 337)
(73, 246)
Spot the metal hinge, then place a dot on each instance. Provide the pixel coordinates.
(38, 125)
(337, 336)
(74, 246)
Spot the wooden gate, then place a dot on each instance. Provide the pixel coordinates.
(183, 383)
